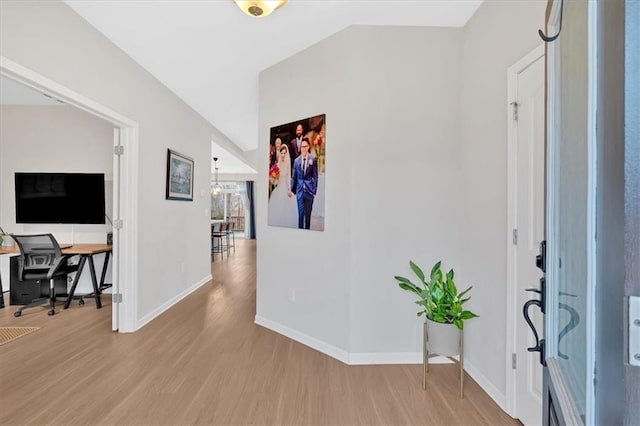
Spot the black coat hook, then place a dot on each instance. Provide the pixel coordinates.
(547, 38)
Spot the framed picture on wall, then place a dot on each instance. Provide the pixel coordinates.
(297, 166)
(179, 176)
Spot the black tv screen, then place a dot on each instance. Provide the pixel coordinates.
(60, 198)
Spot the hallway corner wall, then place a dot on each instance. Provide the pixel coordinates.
(497, 36)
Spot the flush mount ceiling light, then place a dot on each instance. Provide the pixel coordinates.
(259, 8)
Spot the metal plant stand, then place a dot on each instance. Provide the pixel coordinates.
(426, 355)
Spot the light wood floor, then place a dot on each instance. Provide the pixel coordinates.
(205, 362)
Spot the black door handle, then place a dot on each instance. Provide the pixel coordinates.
(541, 259)
(542, 293)
(539, 346)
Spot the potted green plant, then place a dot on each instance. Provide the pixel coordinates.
(3, 237)
(445, 316)
(441, 303)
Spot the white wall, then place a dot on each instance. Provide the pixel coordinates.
(416, 169)
(234, 177)
(392, 140)
(497, 36)
(315, 264)
(49, 38)
(252, 157)
(405, 183)
(53, 139)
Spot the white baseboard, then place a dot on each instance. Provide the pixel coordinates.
(486, 385)
(153, 314)
(377, 358)
(381, 358)
(305, 339)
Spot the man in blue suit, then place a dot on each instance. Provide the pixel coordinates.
(304, 183)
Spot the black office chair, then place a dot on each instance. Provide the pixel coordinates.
(40, 258)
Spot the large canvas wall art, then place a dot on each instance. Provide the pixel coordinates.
(297, 166)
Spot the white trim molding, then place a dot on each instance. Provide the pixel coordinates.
(486, 385)
(169, 303)
(364, 358)
(305, 339)
(45, 85)
(127, 242)
(394, 358)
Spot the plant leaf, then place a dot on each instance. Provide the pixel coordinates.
(437, 317)
(450, 281)
(416, 270)
(465, 292)
(465, 315)
(458, 323)
(409, 287)
(403, 279)
(434, 271)
(451, 289)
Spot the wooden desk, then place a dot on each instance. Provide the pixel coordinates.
(86, 252)
(79, 249)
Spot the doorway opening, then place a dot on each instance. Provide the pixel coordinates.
(229, 205)
(125, 178)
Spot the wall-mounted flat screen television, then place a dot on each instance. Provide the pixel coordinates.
(60, 198)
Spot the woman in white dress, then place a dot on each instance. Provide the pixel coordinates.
(283, 210)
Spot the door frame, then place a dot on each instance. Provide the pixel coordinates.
(125, 194)
(512, 314)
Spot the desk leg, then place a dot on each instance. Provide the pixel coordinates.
(1, 295)
(75, 282)
(94, 281)
(104, 270)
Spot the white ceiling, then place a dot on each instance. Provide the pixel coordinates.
(14, 93)
(227, 162)
(210, 54)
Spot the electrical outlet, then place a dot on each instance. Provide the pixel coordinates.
(292, 294)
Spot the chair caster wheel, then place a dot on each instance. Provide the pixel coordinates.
(17, 314)
(81, 302)
(51, 312)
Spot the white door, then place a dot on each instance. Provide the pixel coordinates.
(528, 214)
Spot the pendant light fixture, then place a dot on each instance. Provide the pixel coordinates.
(216, 187)
(259, 8)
